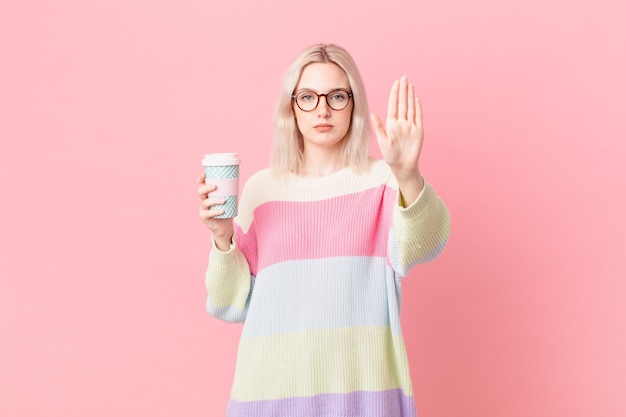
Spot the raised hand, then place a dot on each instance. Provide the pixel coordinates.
(400, 140)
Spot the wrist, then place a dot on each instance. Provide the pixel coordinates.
(223, 243)
(409, 179)
(410, 187)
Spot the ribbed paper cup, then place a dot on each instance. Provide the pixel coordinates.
(222, 169)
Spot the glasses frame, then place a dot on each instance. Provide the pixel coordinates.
(294, 97)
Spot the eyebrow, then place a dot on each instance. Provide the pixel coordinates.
(332, 89)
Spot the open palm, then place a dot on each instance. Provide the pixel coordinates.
(400, 140)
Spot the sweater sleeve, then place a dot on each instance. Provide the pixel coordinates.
(229, 284)
(419, 232)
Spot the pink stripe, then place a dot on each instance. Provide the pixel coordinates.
(225, 187)
(350, 225)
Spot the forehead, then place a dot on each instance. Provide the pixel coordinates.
(322, 77)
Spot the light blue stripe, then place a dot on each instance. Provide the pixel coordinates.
(228, 313)
(315, 294)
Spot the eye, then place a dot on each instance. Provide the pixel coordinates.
(306, 97)
(338, 96)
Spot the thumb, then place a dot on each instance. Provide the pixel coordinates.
(379, 129)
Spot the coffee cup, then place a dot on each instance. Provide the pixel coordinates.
(222, 170)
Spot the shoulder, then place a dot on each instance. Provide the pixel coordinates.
(378, 166)
(259, 188)
(256, 187)
(261, 178)
(379, 173)
(249, 198)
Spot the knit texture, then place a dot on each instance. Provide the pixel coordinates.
(314, 274)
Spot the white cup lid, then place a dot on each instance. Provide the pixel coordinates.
(221, 159)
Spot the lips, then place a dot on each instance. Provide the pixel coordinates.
(323, 127)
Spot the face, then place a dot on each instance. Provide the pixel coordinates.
(323, 126)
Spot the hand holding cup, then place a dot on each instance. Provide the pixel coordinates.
(222, 228)
(218, 189)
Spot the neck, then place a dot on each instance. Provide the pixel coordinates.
(319, 162)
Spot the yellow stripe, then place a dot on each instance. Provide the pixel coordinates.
(323, 361)
(228, 279)
(418, 234)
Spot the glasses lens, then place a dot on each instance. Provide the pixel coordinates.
(306, 100)
(338, 99)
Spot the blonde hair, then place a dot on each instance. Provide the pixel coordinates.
(288, 143)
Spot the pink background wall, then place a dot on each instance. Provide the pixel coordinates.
(106, 108)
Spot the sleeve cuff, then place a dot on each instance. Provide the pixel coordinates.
(222, 258)
(232, 245)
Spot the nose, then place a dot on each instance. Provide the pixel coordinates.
(323, 109)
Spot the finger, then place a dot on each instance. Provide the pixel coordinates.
(419, 120)
(209, 214)
(411, 104)
(379, 129)
(210, 202)
(204, 190)
(392, 105)
(402, 99)
(201, 178)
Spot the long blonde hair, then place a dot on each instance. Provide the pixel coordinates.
(288, 142)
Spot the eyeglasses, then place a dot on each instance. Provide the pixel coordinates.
(308, 100)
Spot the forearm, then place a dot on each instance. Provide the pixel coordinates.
(228, 283)
(410, 186)
(422, 228)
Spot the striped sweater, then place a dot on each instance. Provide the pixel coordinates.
(314, 274)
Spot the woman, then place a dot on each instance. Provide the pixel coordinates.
(313, 263)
